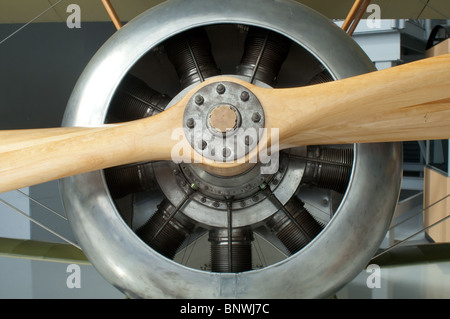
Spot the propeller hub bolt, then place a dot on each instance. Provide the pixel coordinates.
(248, 140)
(190, 123)
(203, 144)
(220, 88)
(256, 117)
(245, 96)
(199, 100)
(226, 152)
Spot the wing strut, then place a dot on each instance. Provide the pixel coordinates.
(112, 14)
(355, 15)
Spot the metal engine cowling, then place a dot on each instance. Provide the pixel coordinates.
(360, 197)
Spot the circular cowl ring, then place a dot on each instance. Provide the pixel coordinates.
(328, 262)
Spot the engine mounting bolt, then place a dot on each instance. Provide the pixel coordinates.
(199, 100)
(194, 187)
(220, 88)
(256, 117)
(216, 204)
(190, 123)
(245, 96)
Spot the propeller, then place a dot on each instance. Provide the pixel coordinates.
(407, 102)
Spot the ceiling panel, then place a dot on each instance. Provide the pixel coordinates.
(93, 10)
(439, 9)
(400, 9)
(22, 11)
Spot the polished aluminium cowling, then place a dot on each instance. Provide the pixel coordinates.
(327, 263)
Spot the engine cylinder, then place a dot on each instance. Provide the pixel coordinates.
(329, 168)
(190, 53)
(264, 53)
(240, 248)
(296, 227)
(134, 99)
(163, 232)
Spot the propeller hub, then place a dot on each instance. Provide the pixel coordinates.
(223, 121)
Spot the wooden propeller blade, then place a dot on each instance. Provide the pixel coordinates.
(29, 157)
(409, 102)
(404, 103)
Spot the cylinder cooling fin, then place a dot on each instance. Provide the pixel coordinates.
(294, 225)
(248, 235)
(264, 54)
(190, 53)
(165, 232)
(329, 167)
(231, 250)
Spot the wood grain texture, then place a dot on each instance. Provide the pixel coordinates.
(409, 102)
(404, 103)
(436, 188)
(29, 157)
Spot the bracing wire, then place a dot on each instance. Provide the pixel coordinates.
(31, 21)
(38, 223)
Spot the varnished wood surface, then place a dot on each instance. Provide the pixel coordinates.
(409, 102)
